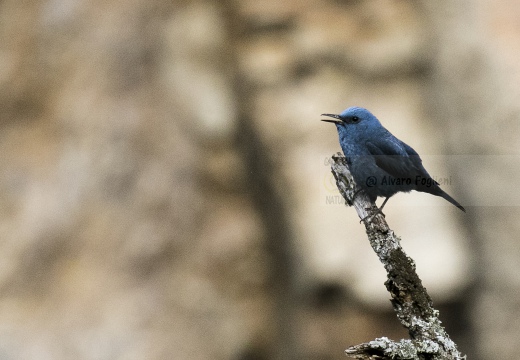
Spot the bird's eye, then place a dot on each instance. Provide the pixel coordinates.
(355, 119)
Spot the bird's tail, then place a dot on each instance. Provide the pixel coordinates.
(444, 195)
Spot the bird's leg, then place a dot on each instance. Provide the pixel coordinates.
(378, 211)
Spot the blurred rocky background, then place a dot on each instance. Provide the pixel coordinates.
(165, 187)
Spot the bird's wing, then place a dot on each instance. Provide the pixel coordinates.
(395, 157)
(413, 155)
(416, 160)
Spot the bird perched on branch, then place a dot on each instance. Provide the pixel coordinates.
(381, 164)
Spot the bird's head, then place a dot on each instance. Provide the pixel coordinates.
(353, 119)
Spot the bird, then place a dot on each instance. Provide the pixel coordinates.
(381, 164)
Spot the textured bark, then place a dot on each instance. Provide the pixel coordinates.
(410, 299)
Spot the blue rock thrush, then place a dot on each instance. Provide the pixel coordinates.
(381, 164)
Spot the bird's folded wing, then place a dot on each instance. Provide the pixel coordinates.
(396, 158)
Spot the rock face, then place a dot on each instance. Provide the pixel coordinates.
(165, 184)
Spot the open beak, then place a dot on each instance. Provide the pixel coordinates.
(338, 121)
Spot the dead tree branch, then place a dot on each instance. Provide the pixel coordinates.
(409, 298)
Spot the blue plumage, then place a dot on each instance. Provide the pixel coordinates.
(380, 163)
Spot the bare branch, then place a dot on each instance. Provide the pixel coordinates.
(410, 299)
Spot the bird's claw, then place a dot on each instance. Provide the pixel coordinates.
(371, 216)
